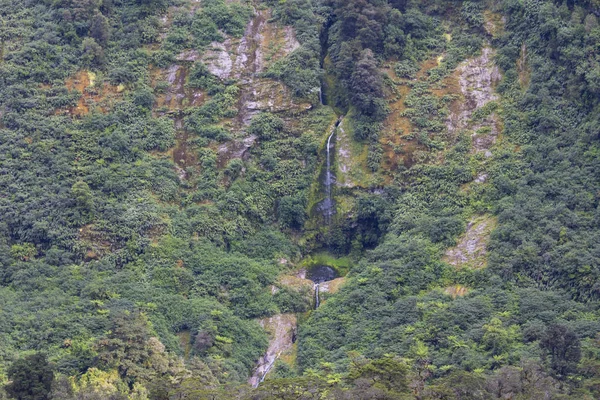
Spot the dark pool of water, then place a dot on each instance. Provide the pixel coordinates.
(321, 273)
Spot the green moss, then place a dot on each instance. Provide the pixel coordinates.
(341, 265)
(350, 164)
(317, 190)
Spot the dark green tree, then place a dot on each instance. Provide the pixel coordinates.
(30, 378)
(562, 345)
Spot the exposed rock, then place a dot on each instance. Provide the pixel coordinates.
(243, 59)
(471, 249)
(247, 56)
(177, 95)
(476, 78)
(481, 178)
(301, 273)
(282, 330)
(343, 153)
(290, 42)
(180, 172)
(493, 23)
(188, 55)
(332, 286)
(218, 61)
(234, 149)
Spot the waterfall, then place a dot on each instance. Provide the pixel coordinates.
(321, 94)
(317, 302)
(328, 204)
(266, 371)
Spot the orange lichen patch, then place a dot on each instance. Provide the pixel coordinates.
(448, 85)
(456, 291)
(95, 242)
(397, 148)
(494, 23)
(427, 65)
(296, 282)
(92, 94)
(276, 41)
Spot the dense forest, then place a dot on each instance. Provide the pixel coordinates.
(174, 173)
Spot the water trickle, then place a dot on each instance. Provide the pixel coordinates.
(262, 378)
(327, 206)
(320, 274)
(328, 202)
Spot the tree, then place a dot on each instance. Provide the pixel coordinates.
(31, 378)
(388, 373)
(291, 212)
(100, 29)
(83, 195)
(367, 86)
(129, 347)
(93, 54)
(563, 346)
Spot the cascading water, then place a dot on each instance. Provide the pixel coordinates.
(262, 378)
(327, 206)
(320, 274)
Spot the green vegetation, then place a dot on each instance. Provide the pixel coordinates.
(156, 189)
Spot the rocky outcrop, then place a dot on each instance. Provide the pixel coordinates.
(234, 149)
(477, 78)
(332, 286)
(246, 58)
(282, 331)
(240, 59)
(263, 42)
(471, 250)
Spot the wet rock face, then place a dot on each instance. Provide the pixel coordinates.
(477, 78)
(471, 250)
(244, 59)
(234, 149)
(321, 273)
(263, 43)
(282, 330)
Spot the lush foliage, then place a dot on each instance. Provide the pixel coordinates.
(148, 211)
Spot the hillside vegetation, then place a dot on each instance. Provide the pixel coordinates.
(164, 187)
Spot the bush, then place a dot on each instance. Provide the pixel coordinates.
(406, 69)
(266, 126)
(291, 212)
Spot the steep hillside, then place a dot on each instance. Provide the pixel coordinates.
(330, 199)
